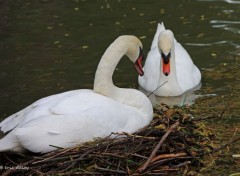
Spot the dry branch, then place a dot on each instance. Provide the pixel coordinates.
(145, 165)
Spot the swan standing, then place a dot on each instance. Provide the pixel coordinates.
(71, 118)
(168, 70)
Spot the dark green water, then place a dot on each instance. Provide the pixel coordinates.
(48, 47)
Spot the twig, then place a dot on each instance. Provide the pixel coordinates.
(9, 172)
(57, 147)
(205, 118)
(112, 154)
(78, 159)
(10, 160)
(57, 154)
(182, 164)
(109, 170)
(145, 165)
(134, 135)
(236, 156)
(157, 88)
(38, 172)
(171, 155)
(137, 155)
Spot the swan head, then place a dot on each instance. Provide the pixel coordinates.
(134, 52)
(165, 46)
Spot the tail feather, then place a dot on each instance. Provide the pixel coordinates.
(10, 143)
(13, 120)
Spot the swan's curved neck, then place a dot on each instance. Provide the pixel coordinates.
(103, 83)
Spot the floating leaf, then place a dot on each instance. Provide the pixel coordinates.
(84, 47)
(56, 42)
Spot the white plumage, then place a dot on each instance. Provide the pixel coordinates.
(183, 76)
(71, 118)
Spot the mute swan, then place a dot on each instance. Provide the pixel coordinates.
(70, 118)
(168, 70)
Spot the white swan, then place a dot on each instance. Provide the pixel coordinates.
(70, 118)
(168, 70)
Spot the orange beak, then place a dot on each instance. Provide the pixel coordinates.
(138, 63)
(166, 64)
(138, 66)
(166, 68)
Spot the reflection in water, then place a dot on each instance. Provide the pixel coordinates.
(206, 44)
(227, 1)
(188, 98)
(226, 25)
(184, 99)
(224, 22)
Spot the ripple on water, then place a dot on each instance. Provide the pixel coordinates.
(226, 25)
(227, 1)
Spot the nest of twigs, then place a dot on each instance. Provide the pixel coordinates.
(173, 143)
